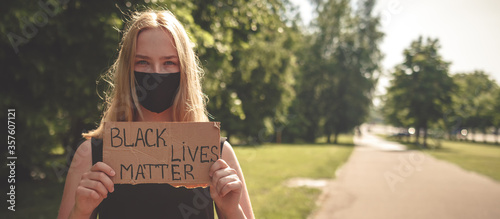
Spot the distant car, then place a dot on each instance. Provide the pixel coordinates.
(401, 134)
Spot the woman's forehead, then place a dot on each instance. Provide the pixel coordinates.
(155, 42)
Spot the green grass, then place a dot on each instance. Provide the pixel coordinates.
(342, 140)
(477, 157)
(267, 167)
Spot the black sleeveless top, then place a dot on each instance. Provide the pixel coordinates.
(153, 200)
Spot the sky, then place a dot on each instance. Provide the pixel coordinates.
(468, 31)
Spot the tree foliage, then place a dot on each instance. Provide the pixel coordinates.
(53, 52)
(251, 68)
(423, 95)
(339, 70)
(421, 88)
(475, 104)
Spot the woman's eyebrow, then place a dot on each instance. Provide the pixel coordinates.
(163, 57)
(170, 57)
(141, 56)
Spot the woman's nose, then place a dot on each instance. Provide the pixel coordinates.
(157, 68)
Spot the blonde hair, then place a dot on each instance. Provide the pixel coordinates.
(122, 103)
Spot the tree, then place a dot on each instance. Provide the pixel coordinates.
(251, 67)
(53, 54)
(421, 88)
(339, 69)
(496, 113)
(359, 62)
(474, 102)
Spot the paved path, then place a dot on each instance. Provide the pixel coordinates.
(383, 180)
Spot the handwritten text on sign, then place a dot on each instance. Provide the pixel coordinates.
(161, 152)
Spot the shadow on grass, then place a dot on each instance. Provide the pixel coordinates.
(317, 144)
(487, 144)
(435, 142)
(293, 145)
(420, 147)
(344, 140)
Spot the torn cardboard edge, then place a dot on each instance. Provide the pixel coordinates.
(177, 153)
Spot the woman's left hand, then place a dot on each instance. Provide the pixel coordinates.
(225, 188)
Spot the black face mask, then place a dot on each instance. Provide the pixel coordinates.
(156, 92)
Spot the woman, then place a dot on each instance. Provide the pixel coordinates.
(155, 78)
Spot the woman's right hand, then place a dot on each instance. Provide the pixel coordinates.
(92, 189)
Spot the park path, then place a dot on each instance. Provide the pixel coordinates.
(383, 180)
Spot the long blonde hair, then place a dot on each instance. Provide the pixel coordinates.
(122, 103)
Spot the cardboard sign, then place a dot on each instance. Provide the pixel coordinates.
(177, 153)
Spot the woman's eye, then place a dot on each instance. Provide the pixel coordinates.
(169, 63)
(142, 62)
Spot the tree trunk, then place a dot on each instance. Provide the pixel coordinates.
(473, 132)
(417, 135)
(425, 137)
(425, 134)
(328, 133)
(335, 139)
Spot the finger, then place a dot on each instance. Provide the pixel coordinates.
(231, 186)
(219, 164)
(213, 192)
(221, 174)
(222, 182)
(103, 178)
(96, 186)
(87, 193)
(100, 166)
